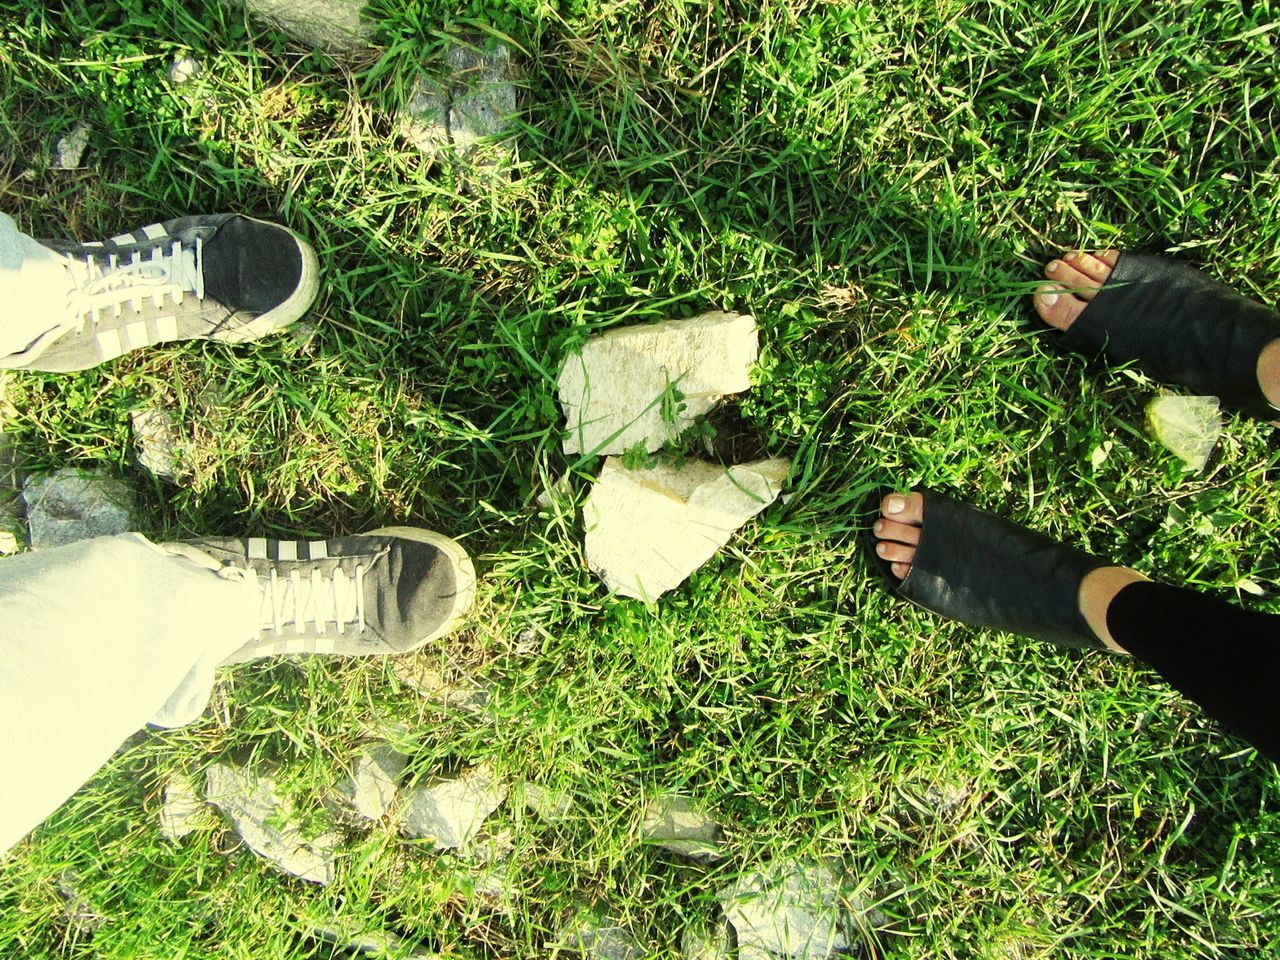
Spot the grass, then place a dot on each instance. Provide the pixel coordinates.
(877, 183)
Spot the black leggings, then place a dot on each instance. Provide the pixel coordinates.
(1224, 658)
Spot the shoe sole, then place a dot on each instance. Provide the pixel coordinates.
(287, 313)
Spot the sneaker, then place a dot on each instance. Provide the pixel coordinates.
(216, 277)
(385, 592)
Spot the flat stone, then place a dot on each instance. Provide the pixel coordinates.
(70, 148)
(713, 942)
(332, 25)
(805, 909)
(620, 390)
(674, 823)
(1188, 427)
(70, 505)
(183, 69)
(442, 682)
(78, 913)
(553, 806)
(374, 781)
(601, 938)
(262, 819)
(375, 943)
(647, 530)
(468, 113)
(159, 442)
(182, 811)
(451, 812)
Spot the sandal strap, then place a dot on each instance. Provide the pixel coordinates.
(976, 567)
(1178, 326)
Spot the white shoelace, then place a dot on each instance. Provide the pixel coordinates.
(317, 599)
(98, 288)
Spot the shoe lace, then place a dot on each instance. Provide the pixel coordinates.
(318, 598)
(98, 286)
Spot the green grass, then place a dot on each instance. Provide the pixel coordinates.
(877, 183)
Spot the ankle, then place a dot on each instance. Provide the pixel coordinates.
(1097, 590)
(1269, 372)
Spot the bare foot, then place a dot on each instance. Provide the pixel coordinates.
(897, 532)
(1076, 277)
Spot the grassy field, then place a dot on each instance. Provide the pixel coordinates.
(878, 184)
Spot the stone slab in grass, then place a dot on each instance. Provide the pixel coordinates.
(647, 530)
(601, 938)
(468, 113)
(69, 505)
(806, 909)
(675, 823)
(450, 813)
(643, 385)
(158, 443)
(336, 26)
(182, 810)
(265, 823)
(374, 781)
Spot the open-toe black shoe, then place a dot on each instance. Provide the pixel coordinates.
(1175, 324)
(981, 569)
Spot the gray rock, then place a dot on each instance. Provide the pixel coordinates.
(451, 812)
(1188, 427)
(70, 505)
(620, 390)
(713, 942)
(70, 148)
(601, 938)
(262, 819)
(76, 909)
(804, 908)
(332, 25)
(183, 69)
(648, 529)
(551, 805)
(182, 810)
(674, 823)
(468, 113)
(159, 443)
(441, 681)
(374, 781)
(374, 943)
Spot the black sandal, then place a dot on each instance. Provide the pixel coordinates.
(1178, 326)
(981, 569)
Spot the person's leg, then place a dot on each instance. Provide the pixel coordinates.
(1224, 658)
(97, 639)
(34, 288)
(1220, 656)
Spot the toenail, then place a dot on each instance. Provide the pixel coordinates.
(1047, 300)
(1053, 266)
(881, 549)
(896, 505)
(879, 527)
(1071, 255)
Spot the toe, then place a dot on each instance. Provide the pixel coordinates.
(1057, 307)
(1096, 266)
(896, 552)
(1066, 274)
(903, 508)
(901, 532)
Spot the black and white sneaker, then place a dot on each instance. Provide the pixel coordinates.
(214, 277)
(384, 592)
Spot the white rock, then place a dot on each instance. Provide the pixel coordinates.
(261, 818)
(1188, 427)
(12, 532)
(374, 780)
(707, 943)
(601, 938)
(332, 25)
(424, 121)
(182, 70)
(619, 391)
(158, 442)
(551, 805)
(451, 812)
(71, 147)
(801, 909)
(70, 505)
(647, 530)
(674, 823)
(376, 943)
(182, 811)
